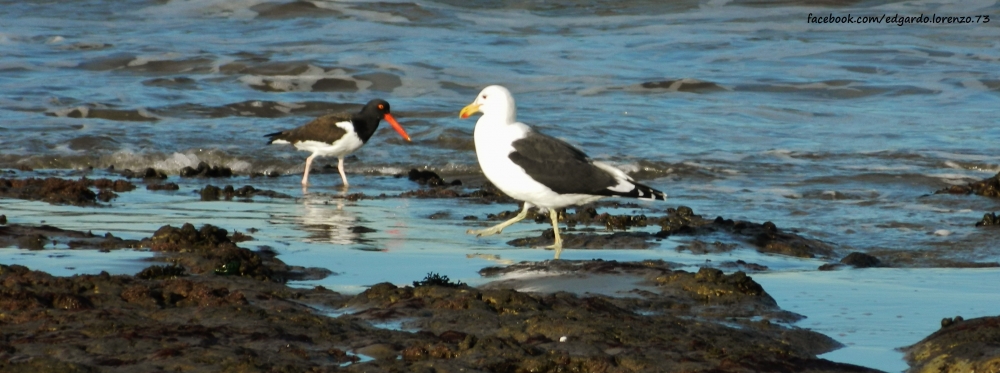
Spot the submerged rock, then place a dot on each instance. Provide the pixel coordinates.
(861, 260)
(430, 178)
(989, 219)
(204, 170)
(616, 240)
(148, 173)
(681, 221)
(64, 191)
(214, 193)
(678, 85)
(293, 9)
(163, 186)
(989, 187)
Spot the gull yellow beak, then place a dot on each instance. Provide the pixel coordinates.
(468, 110)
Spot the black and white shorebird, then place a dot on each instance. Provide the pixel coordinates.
(337, 134)
(540, 170)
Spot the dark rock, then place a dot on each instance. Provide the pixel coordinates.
(35, 237)
(105, 195)
(151, 173)
(949, 321)
(61, 191)
(701, 247)
(593, 241)
(766, 237)
(959, 346)
(214, 193)
(210, 193)
(240, 237)
(293, 9)
(210, 249)
(362, 229)
(989, 187)
(161, 272)
(32, 242)
(989, 219)
(430, 193)
(165, 186)
(830, 266)
(744, 266)
(428, 178)
(682, 85)
(488, 193)
(861, 260)
(204, 170)
(440, 215)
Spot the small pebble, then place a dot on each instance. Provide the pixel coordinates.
(562, 339)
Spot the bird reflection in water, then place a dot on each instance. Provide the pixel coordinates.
(326, 221)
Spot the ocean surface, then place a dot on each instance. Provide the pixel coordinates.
(742, 109)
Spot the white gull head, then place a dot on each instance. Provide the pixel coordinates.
(495, 102)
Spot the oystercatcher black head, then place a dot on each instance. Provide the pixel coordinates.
(367, 120)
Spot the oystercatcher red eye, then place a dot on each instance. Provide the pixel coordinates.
(381, 107)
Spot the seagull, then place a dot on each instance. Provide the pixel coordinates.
(540, 170)
(337, 134)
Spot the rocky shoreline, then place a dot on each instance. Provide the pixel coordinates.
(210, 305)
(219, 307)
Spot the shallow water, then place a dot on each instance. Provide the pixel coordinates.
(840, 132)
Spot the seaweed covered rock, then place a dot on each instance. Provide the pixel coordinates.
(989, 220)
(959, 346)
(37, 237)
(989, 187)
(204, 170)
(214, 193)
(127, 323)
(148, 173)
(499, 329)
(64, 191)
(213, 251)
(430, 178)
(681, 221)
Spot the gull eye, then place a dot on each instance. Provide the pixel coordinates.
(484, 97)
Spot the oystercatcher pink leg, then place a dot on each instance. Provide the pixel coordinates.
(340, 167)
(305, 175)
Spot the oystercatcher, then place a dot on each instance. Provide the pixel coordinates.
(337, 134)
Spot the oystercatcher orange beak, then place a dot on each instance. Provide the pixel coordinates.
(396, 126)
(469, 110)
